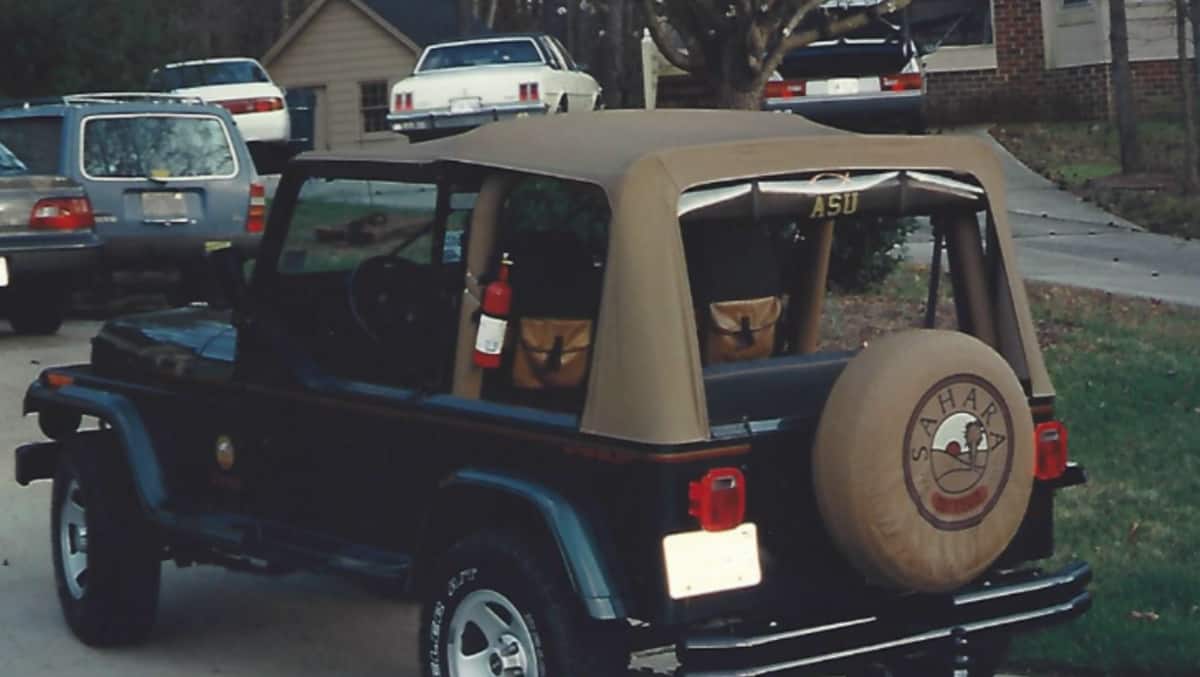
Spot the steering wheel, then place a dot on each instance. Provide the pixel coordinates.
(389, 300)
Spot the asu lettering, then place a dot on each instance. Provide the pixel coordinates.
(838, 204)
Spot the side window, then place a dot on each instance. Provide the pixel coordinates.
(356, 285)
(338, 223)
(37, 141)
(552, 57)
(566, 56)
(555, 233)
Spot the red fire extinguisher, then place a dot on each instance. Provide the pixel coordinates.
(493, 320)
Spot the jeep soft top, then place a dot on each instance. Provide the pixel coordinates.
(658, 449)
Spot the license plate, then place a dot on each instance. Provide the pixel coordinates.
(164, 206)
(3, 272)
(470, 105)
(843, 86)
(702, 562)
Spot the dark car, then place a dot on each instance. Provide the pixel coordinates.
(582, 403)
(168, 177)
(48, 245)
(870, 80)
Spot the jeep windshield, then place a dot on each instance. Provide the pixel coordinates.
(157, 147)
(491, 53)
(10, 165)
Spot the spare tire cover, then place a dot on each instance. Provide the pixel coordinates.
(923, 461)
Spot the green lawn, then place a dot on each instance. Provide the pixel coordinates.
(1084, 157)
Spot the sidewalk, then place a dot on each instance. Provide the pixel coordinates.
(1063, 240)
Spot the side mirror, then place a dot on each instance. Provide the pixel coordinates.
(228, 268)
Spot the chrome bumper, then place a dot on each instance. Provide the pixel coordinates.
(926, 624)
(444, 118)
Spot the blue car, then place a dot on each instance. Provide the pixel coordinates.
(169, 178)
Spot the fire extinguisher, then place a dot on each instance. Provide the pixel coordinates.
(493, 320)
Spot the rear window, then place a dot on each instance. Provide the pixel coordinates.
(481, 54)
(37, 141)
(10, 164)
(200, 75)
(157, 146)
(848, 59)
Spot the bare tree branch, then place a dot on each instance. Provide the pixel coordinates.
(840, 27)
(689, 61)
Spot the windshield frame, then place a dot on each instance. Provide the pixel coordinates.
(543, 58)
(237, 161)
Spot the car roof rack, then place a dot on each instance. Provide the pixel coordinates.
(101, 97)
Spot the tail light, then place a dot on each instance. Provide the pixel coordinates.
(786, 89)
(1051, 450)
(74, 213)
(258, 105)
(530, 91)
(718, 499)
(256, 218)
(901, 82)
(404, 102)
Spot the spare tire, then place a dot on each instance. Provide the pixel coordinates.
(923, 461)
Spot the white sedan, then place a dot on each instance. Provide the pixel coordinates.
(239, 85)
(463, 84)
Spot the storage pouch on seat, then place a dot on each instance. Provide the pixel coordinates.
(551, 353)
(742, 330)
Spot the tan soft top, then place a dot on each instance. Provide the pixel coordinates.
(646, 380)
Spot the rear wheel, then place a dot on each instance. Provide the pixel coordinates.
(106, 557)
(499, 605)
(37, 312)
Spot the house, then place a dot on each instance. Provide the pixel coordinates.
(1043, 58)
(1015, 59)
(346, 55)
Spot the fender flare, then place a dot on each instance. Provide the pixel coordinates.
(126, 422)
(578, 545)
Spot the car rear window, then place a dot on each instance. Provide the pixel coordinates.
(204, 74)
(37, 141)
(9, 164)
(481, 54)
(846, 59)
(157, 146)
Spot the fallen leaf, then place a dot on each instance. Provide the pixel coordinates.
(1144, 616)
(1131, 537)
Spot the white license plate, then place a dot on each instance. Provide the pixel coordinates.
(164, 206)
(702, 562)
(842, 86)
(3, 272)
(464, 105)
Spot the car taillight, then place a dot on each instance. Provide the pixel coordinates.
(404, 101)
(58, 213)
(530, 91)
(257, 105)
(718, 500)
(901, 82)
(1051, 450)
(256, 218)
(786, 89)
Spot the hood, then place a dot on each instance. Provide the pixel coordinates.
(196, 344)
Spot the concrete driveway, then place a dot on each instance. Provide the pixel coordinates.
(1063, 240)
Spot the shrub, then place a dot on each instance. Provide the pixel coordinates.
(867, 250)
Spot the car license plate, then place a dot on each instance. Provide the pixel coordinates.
(702, 562)
(3, 272)
(164, 206)
(842, 86)
(469, 105)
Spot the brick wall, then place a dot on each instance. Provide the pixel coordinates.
(1156, 86)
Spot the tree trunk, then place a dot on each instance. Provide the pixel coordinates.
(613, 72)
(1194, 13)
(739, 95)
(1190, 179)
(466, 16)
(1122, 82)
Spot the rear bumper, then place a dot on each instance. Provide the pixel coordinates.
(918, 625)
(170, 249)
(269, 127)
(880, 110)
(422, 121)
(68, 254)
